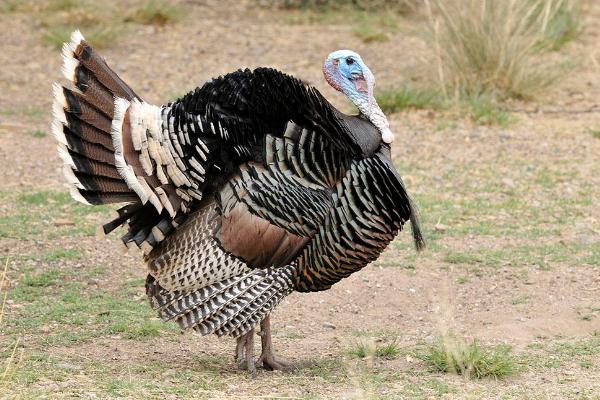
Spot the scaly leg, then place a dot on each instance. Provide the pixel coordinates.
(267, 357)
(244, 351)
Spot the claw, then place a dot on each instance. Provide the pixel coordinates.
(267, 358)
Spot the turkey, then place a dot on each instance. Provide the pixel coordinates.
(241, 192)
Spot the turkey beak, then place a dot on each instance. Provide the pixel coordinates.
(360, 83)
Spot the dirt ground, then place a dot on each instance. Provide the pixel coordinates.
(511, 216)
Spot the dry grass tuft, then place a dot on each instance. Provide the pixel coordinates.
(408, 97)
(452, 354)
(61, 17)
(493, 48)
(15, 355)
(157, 13)
(564, 26)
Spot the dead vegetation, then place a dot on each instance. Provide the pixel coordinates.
(494, 48)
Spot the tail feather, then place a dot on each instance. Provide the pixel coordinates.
(82, 126)
(101, 128)
(81, 63)
(82, 163)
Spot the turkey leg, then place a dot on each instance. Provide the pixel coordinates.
(244, 351)
(267, 357)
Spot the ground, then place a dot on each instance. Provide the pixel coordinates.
(510, 215)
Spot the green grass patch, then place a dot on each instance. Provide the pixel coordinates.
(78, 312)
(331, 370)
(595, 133)
(42, 279)
(157, 13)
(29, 111)
(388, 350)
(519, 300)
(558, 353)
(37, 133)
(527, 255)
(369, 34)
(99, 36)
(454, 355)
(483, 111)
(360, 350)
(47, 215)
(407, 97)
(101, 24)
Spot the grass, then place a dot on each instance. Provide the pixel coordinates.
(99, 36)
(29, 112)
(14, 355)
(80, 313)
(483, 111)
(377, 24)
(157, 13)
(491, 48)
(100, 25)
(368, 33)
(472, 360)
(37, 133)
(519, 300)
(595, 133)
(41, 214)
(407, 97)
(385, 351)
(564, 25)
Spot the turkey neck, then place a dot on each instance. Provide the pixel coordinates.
(362, 131)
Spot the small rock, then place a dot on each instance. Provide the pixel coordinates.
(412, 290)
(329, 325)
(93, 282)
(45, 329)
(65, 365)
(509, 183)
(440, 228)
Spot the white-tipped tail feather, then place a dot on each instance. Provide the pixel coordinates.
(125, 170)
(59, 104)
(70, 63)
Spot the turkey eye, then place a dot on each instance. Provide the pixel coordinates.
(349, 61)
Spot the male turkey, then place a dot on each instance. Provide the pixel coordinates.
(244, 190)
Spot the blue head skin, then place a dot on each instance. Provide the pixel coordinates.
(346, 72)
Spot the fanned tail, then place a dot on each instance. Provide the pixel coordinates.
(82, 125)
(89, 118)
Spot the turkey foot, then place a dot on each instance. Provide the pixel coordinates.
(267, 358)
(244, 351)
